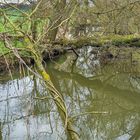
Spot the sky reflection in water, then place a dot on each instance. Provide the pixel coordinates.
(106, 97)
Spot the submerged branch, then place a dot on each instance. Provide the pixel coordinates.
(88, 113)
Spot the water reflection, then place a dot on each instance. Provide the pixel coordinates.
(102, 100)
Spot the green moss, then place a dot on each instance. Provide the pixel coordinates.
(3, 50)
(120, 40)
(136, 55)
(80, 42)
(100, 41)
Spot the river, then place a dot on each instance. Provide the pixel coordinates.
(103, 100)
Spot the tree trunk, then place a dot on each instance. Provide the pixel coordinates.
(56, 19)
(58, 99)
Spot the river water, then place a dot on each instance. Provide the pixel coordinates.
(102, 99)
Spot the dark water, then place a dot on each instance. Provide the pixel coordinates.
(102, 99)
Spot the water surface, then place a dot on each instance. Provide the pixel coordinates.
(102, 99)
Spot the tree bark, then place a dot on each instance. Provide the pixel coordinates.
(56, 19)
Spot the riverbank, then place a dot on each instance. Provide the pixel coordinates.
(110, 45)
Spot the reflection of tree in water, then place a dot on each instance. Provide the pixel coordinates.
(107, 90)
(136, 134)
(37, 119)
(104, 104)
(88, 96)
(0, 131)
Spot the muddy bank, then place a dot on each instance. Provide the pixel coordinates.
(107, 49)
(104, 54)
(9, 61)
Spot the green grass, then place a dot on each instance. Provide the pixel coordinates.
(3, 50)
(20, 22)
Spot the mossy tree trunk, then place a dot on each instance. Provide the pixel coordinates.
(59, 101)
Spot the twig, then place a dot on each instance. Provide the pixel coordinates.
(87, 113)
